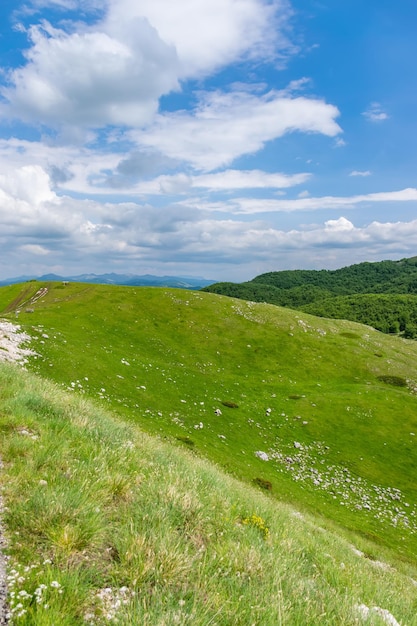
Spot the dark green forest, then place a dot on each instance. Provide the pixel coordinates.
(382, 294)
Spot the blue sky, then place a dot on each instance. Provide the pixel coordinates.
(215, 138)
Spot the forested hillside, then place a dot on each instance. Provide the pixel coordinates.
(382, 295)
(385, 312)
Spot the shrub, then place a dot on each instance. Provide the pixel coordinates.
(397, 381)
(231, 405)
(186, 440)
(264, 484)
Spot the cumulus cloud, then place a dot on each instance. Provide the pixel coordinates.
(29, 184)
(30, 211)
(60, 233)
(92, 78)
(228, 125)
(115, 70)
(375, 113)
(211, 34)
(72, 169)
(159, 176)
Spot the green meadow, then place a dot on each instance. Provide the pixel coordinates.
(315, 418)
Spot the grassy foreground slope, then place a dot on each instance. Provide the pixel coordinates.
(108, 525)
(322, 412)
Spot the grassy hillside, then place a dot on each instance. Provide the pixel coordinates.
(321, 413)
(353, 292)
(107, 525)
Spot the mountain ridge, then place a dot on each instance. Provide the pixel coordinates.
(135, 280)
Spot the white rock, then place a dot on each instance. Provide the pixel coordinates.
(384, 614)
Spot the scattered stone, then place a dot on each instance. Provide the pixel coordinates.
(11, 340)
(384, 614)
(262, 455)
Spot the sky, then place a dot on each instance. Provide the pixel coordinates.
(211, 138)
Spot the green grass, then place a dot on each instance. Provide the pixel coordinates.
(107, 525)
(313, 394)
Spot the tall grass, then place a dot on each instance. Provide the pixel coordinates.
(108, 525)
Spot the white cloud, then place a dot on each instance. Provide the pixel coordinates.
(261, 205)
(29, 184)
(248, 179)
(67, 234)
(360, 173)
(70, 168)
(115, 70)
(226, 181)
(210, 34)
(340, 225)
(83, 170)
(91, 78)
(34, 249)
(228, 125)
(63, 4)
(375, 113)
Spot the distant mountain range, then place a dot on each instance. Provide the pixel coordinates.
(147, 280)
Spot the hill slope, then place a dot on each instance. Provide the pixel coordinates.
(322, 412)
(107, 525)
(341, 294)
